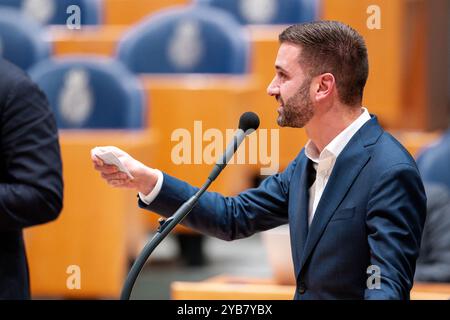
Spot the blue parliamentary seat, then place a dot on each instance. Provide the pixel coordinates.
(186, 40)
(56, 11)
(268, 11)
(91, 93)
(22, 40)
(433, 162)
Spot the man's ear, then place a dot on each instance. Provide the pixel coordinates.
(324, 87)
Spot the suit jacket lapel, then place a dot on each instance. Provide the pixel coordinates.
(299, 210)
(346, 169)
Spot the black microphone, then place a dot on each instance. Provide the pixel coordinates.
(248, 123)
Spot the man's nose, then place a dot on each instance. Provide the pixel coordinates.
(273, 89)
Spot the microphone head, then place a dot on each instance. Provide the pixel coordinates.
(249, 121)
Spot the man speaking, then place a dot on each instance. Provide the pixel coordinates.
(353, 196)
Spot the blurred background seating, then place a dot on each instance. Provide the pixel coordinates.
(91, 93)
(96, 102)
(100, 230)
(433, 161)
(434, 258)
(181, 42)
(268, 11)
(193, 63)
(186, 40)
(21, 39)
(56, 12)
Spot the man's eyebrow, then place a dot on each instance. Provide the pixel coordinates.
(278, 68)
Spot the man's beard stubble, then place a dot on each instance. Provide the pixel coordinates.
(298, 109)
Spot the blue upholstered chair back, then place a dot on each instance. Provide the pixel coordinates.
(22, 40)
(91, 93)
(433, 162)
(268, 11)
(186, 40)
(55, 11)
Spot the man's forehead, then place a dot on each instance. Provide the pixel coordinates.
(288, 57)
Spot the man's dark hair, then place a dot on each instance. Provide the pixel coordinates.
(331, 46)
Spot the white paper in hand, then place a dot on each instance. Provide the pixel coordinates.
(108, 157)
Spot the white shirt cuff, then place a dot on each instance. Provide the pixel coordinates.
(147, 199)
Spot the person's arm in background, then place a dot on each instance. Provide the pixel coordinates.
(433, 264)
(396, 215)
(31, 186)
(226, 218)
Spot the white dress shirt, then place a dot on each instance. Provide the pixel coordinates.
(147, 199)
(323, 163)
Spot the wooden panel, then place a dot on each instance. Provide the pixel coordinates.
(100, 40)
(407, 59)
(129, 12)
(414, 141)
(220, 291)
(242, 288)
(383, 93)
(99, 229)
(176, 102)
(426, 56)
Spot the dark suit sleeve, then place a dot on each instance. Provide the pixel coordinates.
(31, 187)
(433, 264)
(229, 218)
(395, 219)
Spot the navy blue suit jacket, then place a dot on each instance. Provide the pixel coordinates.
(31, 186)
(372, 212)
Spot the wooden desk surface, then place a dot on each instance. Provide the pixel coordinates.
(225, 287)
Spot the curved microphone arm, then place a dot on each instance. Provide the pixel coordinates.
(248, 123)
(165, 227)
